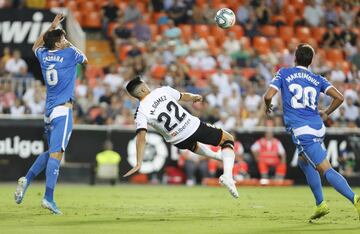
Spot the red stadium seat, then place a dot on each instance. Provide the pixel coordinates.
(311, 41)
(141, 6)
(123, 50)
(286, 33)
(278, 18)
(87, 6)
(213, 48)
(154, 29)
(218, 33)
(346, 66)
(91, 19)
(317, 33)
(238, 30)
(111, 28)
(248, 72)
(303, 33)
(202, 30)
(78, 16)
(53, 3)
(269, 31)
(186, 31)
(261, 44)
(335, 55)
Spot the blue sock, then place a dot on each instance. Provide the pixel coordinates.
(336, 180)
(313, 179)
(52, 172)
(38, 166)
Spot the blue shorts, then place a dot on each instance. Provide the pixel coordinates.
(58, 128)
(309, 141)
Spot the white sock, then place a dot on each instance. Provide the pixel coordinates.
(228, 161)
(204, 150)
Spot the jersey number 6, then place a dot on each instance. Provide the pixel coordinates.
(51, 75)
(170, 106)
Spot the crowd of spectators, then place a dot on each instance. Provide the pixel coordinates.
(232, 96)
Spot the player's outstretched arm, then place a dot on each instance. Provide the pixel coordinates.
(338, 99)
(189, 97)
(56, 22)
(140, 149)
(269, 94)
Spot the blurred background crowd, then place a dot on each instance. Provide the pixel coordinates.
(175, 43)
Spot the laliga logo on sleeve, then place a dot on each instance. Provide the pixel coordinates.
(155, 154)
(23, 148)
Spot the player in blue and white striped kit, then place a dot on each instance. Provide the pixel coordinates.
(300, 90)
(58, 59)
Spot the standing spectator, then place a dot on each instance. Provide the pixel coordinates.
(178, 12)
(313, 14)
(16, 66)
(269, 152)
(243, 12)
(109, 13)
(132, 13)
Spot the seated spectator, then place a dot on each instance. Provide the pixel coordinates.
(198, 45)
(231, 44)
(157, 5)
(5, 57)
(37, 105)
(251, 26)
(172, 32)
(18, 109)
(197, 15)
(207, 62)
(121, 33)
(193, 163)
(224, 60)
(226, 122)
(7, 97)
(113, 79)
(330, 15)
(158, 69)
(243, 12)
(182, 49)
(269, 153)
(132, 13)
(208, 14)
(252, 101)
(339, 118)
(355, 59)
(347, 37)
(141, 30)
(263, 13)
(331, 38)
(313, 14)
(337, 74)
(16, 66)
(251, 120)
(169, 53)
(192, 59)
(109, 13)
(346, 15)
(351, 111)
(178, 12)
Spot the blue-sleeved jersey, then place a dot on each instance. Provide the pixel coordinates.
(300, 90)
(59, 73)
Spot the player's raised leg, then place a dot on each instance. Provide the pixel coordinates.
(204, 150)
(228, 157)
(314, 181)
(24, 182)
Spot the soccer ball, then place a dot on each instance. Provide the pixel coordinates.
(225, 18)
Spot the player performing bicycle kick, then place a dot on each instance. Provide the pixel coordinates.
(160, 109)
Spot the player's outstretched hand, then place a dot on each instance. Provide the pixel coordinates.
(57, 20)
(197, 98)
(132, 171)
(268, 109)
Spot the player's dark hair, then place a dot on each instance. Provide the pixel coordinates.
(133, 84)
(51, 37)
(304, 54)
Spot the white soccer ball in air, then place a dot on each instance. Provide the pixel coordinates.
(225, 18)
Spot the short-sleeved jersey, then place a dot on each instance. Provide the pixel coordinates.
(161, 110)
(59, 73)
(300, 90)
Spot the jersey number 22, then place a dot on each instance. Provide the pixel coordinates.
(165, 116)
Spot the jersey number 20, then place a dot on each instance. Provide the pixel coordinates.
(165, 116)
(51, 75)
(308, 94)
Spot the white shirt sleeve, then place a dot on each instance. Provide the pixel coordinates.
(140, 121)
(173, 92)
(281, 148)
(255, 147)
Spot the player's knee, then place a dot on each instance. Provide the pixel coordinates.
(227, 141)
(323, 166)
(57, 155)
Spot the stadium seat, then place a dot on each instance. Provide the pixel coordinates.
(201, 3)
(53, 3)
(186, 31)
(123, 50)
(346, 66)
(122, 5)
(91, 20)
(286, 33)
(213, 48)
(238, 30)
(335, 55)
(154, 29)
(72, 5)
(261, 44)
(317, 33)
(163, 28)
(278, 19)
(277, 43)
(93, 72)
(141, 6)
(78, 16)
(111, 27)
(356, 31)
(218, 33)
(269, 31)
(202, 30)
(248, 72)
(303, 33)
(87, 6)
(311, 41)
(245, 42)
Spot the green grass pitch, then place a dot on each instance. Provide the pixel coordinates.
(173, 209)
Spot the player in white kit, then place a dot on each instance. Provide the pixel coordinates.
(160, 109)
